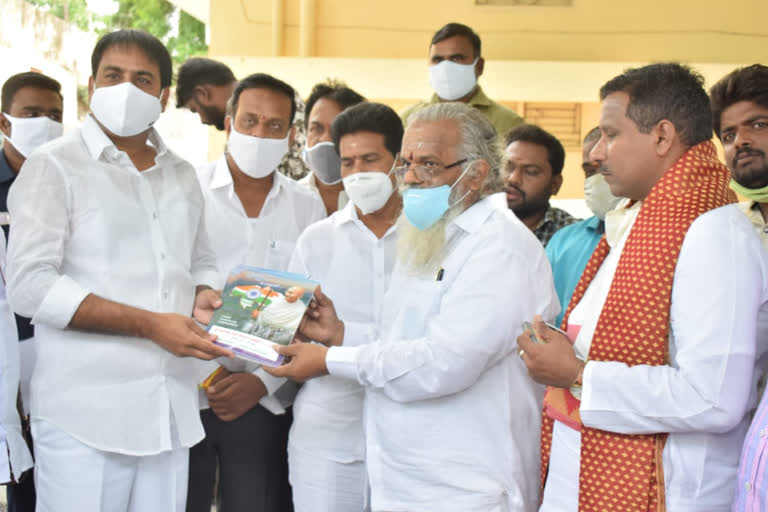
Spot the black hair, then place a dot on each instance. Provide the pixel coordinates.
(263, 81)
(592, 135)
(333, 90)
(536, 135)
(457, 29)
(741, 84)
(369, 117)
(26, 79)
(668, 91)
(151, 46)
(200, 71)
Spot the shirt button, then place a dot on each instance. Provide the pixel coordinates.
(162, 256)
(165, 295)
(154, 215)
(748, 486)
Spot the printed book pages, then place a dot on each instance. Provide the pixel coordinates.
(260, 308)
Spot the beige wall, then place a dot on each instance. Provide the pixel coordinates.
(552, 54)
(594, 30)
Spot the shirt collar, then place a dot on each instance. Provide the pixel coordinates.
(479, 99)
(6, 173)
(97, 142)
(346, 214)
(222, 177)
(752, 210)
(593, 223)
(475, 216)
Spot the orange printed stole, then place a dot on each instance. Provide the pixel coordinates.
(624, 472)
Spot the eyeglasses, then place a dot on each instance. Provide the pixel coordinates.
(424, 171)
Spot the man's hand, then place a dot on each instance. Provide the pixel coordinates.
(232, 396)
(307, 361)
(206, 302)
(181, 336)
(552, 363)
(320, 322)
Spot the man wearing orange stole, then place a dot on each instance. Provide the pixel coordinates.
(648, 396)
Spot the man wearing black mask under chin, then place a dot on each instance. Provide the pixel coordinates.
(326, 101)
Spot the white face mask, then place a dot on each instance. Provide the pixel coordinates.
(124, 109)
(598, 197)
(256, 156)
(451, 80)
(28, 133)
(369, 191)
(324, 161)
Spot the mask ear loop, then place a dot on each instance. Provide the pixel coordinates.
(469, 166)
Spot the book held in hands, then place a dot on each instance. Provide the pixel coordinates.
(261, 307)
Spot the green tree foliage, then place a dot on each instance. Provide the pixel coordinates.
(74, 11)
(155, 16)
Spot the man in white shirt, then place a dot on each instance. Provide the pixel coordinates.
(109, 256)
(649, 395)
(351, 254)
(253, 216)
(451, 418)
(15, 458)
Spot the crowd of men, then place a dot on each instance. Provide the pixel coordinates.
(426, 375)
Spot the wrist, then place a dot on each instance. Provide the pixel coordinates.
(579, 379)
(147, 324)
(338, 335)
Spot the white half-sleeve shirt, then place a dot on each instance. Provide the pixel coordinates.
(85, 220)
(703, 397)
(354, 268)
(451, 417)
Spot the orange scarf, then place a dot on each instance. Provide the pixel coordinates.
(618, 471)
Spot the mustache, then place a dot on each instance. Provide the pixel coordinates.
(747, 152)
(518, 189)
(603, 169)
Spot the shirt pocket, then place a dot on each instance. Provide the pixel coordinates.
(278, 254)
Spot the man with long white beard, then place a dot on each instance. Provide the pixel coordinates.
(450, 416)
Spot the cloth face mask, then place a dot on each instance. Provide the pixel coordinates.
(369, 191)
(451, 80)
(759, 195)
(324, 161)
(29, 133)
(598, 196)
(257, 157)
(124, 109)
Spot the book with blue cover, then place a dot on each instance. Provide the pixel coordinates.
(260, 307)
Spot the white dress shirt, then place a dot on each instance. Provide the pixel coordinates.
(354, 268)
(703, 396)
(451, 416)
(14, 454)
(310, 181)
(265, 241)
(87, 221)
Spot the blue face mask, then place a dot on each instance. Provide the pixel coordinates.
(424, 206)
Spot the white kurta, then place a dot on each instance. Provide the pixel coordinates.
(703, 397)
(86, 221)
(326, 444)
(451, 416)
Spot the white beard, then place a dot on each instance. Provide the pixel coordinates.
(421, 252)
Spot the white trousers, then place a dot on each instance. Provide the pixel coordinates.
(73, 477)
(322, 485)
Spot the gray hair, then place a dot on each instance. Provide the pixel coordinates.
(479, 140)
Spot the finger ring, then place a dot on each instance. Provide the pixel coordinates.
(522, 353)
